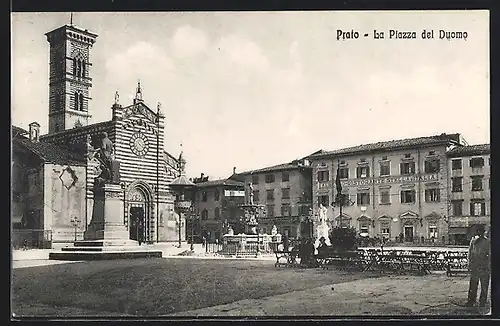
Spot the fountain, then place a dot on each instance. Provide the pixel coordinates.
(251, 237)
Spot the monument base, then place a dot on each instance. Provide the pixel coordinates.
(103, 250)
(106, 236)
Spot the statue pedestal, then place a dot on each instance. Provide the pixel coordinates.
(108, 216)
(322, 231)
(106, 236)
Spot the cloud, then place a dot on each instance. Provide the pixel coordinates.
(188, 41)
(140, 59)
(243, 52)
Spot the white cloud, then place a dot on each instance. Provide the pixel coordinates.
(243, 52)
(140, 59)
(188, 41)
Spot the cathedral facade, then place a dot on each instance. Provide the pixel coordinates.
(136, 131)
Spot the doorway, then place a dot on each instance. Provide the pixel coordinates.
(136, 230)
(409, 233)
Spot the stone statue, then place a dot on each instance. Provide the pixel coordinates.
(182, 163)
(90, 148)
(109, 167)
(117, 97)
(322, 215)
(322, 229)
(250, 193)
(274, 230)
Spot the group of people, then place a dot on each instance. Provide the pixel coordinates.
(479, 257)
(306, 250)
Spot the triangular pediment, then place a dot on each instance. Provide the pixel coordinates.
(409, 214)
(139, 110)
(364, 218)
(433, 215)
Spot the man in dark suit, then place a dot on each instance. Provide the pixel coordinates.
(479, 266)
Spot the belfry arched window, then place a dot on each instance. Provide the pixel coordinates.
(81, 101)
(79, 68)
(83, 68)
(77, 100)
(74, 66)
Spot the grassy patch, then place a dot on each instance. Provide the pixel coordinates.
(155, 287)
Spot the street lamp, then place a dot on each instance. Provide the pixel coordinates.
(192, 218)
(75, 222)
(123, 185)
(181, 185)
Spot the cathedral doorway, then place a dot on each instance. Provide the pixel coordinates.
(138, 208)
(136, 223)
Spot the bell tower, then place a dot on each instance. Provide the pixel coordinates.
(69, 77)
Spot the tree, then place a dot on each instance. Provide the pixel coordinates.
(344, 238)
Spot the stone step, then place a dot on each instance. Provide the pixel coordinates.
(104, 255)
(89, 243)
(107, 248)
(107, 242)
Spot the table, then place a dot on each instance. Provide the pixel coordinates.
(403, 262)
(344, 259)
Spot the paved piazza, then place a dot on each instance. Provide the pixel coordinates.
(225, 287)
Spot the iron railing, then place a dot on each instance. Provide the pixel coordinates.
(241, 250)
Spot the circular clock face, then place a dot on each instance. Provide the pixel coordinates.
(139, 144)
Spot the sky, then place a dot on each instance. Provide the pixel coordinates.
(254, 89)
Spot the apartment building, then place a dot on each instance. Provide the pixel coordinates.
(217, 205)
(284, 191)
(390, 189)
(470, 191)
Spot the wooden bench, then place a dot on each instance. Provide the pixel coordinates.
(343, 260)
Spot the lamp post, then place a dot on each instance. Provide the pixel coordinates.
(75, 222)
(123, 185)
(182, 185)
(192, 218)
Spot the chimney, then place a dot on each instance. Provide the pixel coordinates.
(202, 175)
(234, 169)
(34, 132)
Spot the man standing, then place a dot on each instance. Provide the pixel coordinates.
(479, 266)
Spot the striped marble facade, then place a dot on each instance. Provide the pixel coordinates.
(140, 175)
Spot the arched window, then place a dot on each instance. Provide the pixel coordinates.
(76, 101)
(217, 213)
(83, 68)
(81, 101)
(79, 69)
(57, 127)
(204, 215)
(74, 66)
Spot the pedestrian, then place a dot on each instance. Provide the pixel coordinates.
(204, 242)
(479, 266)
(286, 244)
(322, 247)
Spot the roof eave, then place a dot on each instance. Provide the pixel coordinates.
(371, 151)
